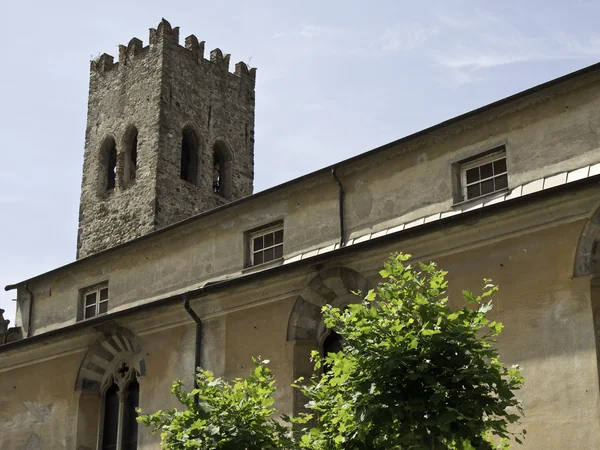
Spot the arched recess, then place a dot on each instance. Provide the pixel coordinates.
(190, 148)
(130, 154)
(107, 170)
(587, 258)
(587, 263)
(306, 330)
(222, 181)
(113, 363)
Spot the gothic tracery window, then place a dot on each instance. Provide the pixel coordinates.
(120, 399)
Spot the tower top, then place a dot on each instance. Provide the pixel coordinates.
(164, 32)
(169, 134)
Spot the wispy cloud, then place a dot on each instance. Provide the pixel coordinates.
(405, 37)
(483, 41)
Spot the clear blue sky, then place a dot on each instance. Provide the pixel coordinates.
(335, 78)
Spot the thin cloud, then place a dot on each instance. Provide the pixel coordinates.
(405, 37)
(485, 41)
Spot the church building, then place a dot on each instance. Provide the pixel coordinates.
(180, 265)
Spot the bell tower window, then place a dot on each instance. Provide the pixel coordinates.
(216, 174)
(108, 164)
(189, 156)
(222, 168)
(131, 154)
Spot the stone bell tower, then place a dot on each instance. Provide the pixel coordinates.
(169, 134)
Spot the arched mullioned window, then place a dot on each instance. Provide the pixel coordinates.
(306, 328)
(109, 393)
(222, 170)
(108, 164)
(189, 156)
(120, 399)
(131, 154)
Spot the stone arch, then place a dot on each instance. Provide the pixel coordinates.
(333, 286)
(100, 360)
(306, 331)
(587, 256)
(99, 369)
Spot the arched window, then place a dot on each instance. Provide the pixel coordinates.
(222, 170)
(108, 165)
(109, 392)
(189, 156)
(131, 154)
(121, 398)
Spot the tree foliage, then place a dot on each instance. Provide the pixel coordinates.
(233, 415)
(413, 373)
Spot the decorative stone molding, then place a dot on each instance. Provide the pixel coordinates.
(587, 258)
(105, 359)
(333, 286)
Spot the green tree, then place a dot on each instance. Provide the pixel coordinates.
(234, 415)
(414, 373)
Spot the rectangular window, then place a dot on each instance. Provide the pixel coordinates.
(266, 245)
(95, 301)
(484, 175)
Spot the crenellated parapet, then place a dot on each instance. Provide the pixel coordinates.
(128, 52)
(165, 33)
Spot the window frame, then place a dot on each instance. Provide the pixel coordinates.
(481, 160)
(123, 384)
(263, 231)
(96, 289)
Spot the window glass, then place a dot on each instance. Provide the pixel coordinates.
(267, 245)
(484, 176)
(95, 301)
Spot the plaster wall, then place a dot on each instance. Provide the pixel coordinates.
(547, 317)
(553, 131)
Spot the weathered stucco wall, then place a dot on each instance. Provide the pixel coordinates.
(546, 312)
(406, 181)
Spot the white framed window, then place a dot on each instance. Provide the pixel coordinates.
(95, 301)
(484, 175)
(266, 245)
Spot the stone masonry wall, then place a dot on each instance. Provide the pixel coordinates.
(219, 107)
(159, 89)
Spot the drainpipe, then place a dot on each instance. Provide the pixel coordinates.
(193, 315)
(30, 312)
(341, 206)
